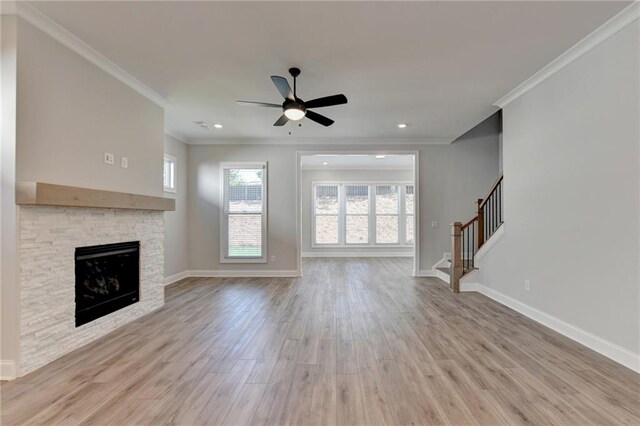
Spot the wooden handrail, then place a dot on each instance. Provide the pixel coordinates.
(493, 188)
(467, 224)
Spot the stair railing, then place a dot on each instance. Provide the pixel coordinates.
(467, 238)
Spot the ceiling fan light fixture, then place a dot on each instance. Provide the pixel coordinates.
(295, 112)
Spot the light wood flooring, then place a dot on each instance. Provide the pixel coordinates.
(355, 341)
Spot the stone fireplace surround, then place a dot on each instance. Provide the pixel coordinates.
(48, 236)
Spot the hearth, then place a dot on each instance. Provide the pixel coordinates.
(107, 279)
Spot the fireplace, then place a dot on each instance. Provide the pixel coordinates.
(107, 279)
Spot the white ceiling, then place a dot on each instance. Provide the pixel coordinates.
(438, 66)
(354, 162)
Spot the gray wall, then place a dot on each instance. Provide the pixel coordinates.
(70, 112)
(9, 291)
(572, 195)
(175, 223)
(451, 177)
(372, 176)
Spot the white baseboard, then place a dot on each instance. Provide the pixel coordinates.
(426, 273)
(7, 369)
(357, 254)
(175, 277)
(598, 344)
(244, 274)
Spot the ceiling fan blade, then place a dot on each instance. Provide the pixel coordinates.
(281, 121)
(283, 87)
(326, 101)
(320, 119)
(260, 104)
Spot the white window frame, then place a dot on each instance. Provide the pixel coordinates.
(174, 161)
(342, 214)
(224, 220)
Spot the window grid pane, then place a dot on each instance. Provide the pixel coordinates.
(386, 229)
(327, 229)
(387, 199)
(245, 235)
(357, 229)
(244, 190)
(327, 199)
(409, 229)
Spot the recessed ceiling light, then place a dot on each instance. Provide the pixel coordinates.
(217, 126)
(381, 156)
(324, 163)
(402, 125)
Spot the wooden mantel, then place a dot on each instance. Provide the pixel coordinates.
(48, 194)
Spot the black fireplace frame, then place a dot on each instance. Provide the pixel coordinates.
(86, 314)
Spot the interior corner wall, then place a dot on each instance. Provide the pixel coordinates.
(451, 178)
(175, 223)
(9, 288)
(572, 196)
(70, 112)
(337, 175)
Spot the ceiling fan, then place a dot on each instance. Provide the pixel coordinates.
(293, 107)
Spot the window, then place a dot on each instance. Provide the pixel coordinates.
(244, 212)
(169, 175)
(327, 208)
(387, 214)
(357, 211)
(408, 213)
(349, 214)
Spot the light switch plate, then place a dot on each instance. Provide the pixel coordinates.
(527, 285)
(124, 162)
(109, 158)
(435, 224)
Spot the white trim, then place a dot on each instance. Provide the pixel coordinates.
(176, 277)
(357, 254)
(416, 194)
(174, 134)
(62, 35)
(426, 273)
(628, 15)
(383, 142)
(598, 344)
(7, 369)
(495, 237)
(243, 274)
(443, 276)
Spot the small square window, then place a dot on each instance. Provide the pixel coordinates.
(169, 176)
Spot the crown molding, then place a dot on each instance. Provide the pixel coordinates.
(625, 17)
(45, 24)
(387, 142)
(352, 168)
(174, 134)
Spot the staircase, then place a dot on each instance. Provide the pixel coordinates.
(468, 237)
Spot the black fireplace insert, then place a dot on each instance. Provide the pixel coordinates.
(107, 279)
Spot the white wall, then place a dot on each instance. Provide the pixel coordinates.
(572, 195)
(70, 112)
(371, 176)
(175, 223)
(451, 178)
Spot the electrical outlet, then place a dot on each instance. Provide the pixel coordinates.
(527, 285)
(435, 224)
(109, 158)
(124, 162)
(273, 259)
